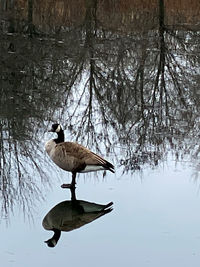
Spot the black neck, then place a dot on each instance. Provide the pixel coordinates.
(61, 137)
(56, 235)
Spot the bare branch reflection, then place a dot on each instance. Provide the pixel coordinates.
(126, 85)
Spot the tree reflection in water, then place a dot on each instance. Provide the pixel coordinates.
(130, 91)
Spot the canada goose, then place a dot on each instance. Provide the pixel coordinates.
(73, 157)
(70, 215)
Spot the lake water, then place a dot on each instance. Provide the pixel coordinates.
(123, 79)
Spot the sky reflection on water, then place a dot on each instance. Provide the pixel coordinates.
(127, 86)
(155, 222)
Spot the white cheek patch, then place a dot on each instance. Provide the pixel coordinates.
(58, 129)
(54, 242)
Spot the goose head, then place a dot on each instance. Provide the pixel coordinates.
(56, 128)
(53, 241)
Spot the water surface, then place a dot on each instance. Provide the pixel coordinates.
(123, 80)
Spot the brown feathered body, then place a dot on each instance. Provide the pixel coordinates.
(74, 157)
(70, 215)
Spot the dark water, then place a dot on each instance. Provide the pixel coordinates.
(123, 79)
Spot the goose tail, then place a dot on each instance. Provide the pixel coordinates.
(108, 205)
(107, 208)
(109, 166)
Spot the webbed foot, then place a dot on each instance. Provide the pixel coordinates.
(69, 186)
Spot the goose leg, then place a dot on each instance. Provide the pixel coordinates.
(73, 183)
(73, 193)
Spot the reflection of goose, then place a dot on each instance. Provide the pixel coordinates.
(73, 157)
(72, 214)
